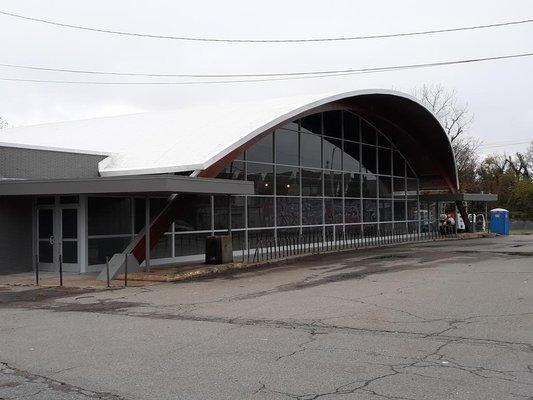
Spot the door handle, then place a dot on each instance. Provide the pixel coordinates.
(51, 240)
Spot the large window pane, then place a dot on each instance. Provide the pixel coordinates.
(311, 182)
(399, 210)
(398, 164)
(384, 161)
(261, 151)
(310, 150)
(332, 154)
(385, 186)
(312, 123)
(260, 212)
(352, 185)
(412, 210)
(333, 211)
(263, 177)
(288, 211)
(190, 244)
(412, 188)
(352, 211)
(286, 142)
(370, 212)
(333, 184)
(100, 248)
(351, 127)
(234, 170)
(383, 141)
(351, 157)
(368, 133)
(370, 188)
(311, 211)
(385, 210)
(333, 124)
(287, 181)
(237, 212)
(197, 217)
(69, 252)
(163, 248)
(399, 187)
(109, 216)
(369, 158)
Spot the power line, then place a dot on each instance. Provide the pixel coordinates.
(206, 39)
(287, 76)
(495, 145)
(275, 74)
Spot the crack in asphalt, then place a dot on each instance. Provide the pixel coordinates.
(7, 370)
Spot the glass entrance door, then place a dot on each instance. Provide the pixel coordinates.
(69, 237)
(46, 239)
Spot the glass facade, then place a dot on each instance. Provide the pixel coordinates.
(327, 173)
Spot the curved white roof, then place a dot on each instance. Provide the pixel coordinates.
(172, 141)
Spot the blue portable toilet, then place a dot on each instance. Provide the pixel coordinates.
(499, 221)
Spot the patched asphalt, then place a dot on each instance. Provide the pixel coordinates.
(443, 320)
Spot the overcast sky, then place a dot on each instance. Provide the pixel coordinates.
(499, 93)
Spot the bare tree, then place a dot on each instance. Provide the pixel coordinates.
(454, 116)
(3, 123)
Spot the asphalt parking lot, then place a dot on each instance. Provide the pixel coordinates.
(444, 320)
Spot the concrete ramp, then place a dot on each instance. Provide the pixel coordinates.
(117, 265)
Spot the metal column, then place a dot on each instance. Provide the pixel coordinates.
(147, 236)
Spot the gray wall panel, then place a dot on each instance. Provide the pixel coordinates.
(41, 164)
(15, 234)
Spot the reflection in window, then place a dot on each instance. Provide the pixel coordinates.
(221, 212)
(189, 243)
(370, 212)
(385, 210)
(333, 124)
(412, 188)
(385, 186)
(311, 182)
(197, 217)
(384, 161)
(352, 211)
(261, 151)
(369, 159)
(333, 184)
(333, 211)
(286, 147)
(312, 123)
(399, 187)
(368, 133)
(263, 176)
(398, 164)
(399, 210)
(351, 157)
(288, 211)
(370, 188)
(332, 153)
(234, 170)
(310, 150)
(352, 185)
(351, 127)
(287, 181)
(260, 212)
(109, 215)
(412, 207)
(311, 211)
